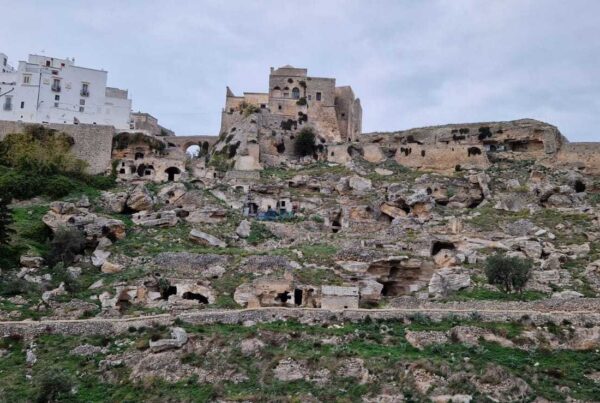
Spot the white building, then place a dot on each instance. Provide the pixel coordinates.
(50, 90)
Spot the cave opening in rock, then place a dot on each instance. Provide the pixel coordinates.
(283, 297)
(166, 292)
(297, 296)
(195, 296)
(579, 186)
(439, 245)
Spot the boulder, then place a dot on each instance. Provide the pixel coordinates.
(110, 268)
(447, 280)
(114, 202)
(178, 338)
(289, 370)
(359, 183)
(34, 262)
(158, 219)
(243, 229)
(99, 257)
(203, 238)
(251, 346)
(140, 199)
(373, 153)
(370, 290)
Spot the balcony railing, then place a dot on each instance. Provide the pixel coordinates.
(56, 88)
(84, 93)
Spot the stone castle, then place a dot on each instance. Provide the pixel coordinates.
(261, 126)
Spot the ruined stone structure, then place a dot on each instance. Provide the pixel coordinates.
(260, 127)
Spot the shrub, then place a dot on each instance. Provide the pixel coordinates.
(53, 385)
(508, 273)
(305, 142)
(59, 186)
(301, 101)
(123, 140)
(258, 233)
(41, 151)
(66, 244)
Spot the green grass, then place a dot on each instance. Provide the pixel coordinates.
(380, 344)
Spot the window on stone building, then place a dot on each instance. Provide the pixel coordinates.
(82, 102)
(26, 79)
(22, 104)
(309, 97)
(57, 97)
(286, 94)
(81, 109)
(318, 96)
(279, 107)
(296, 93)
(85, 87)
(47, 63)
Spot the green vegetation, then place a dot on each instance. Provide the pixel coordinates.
(123, 140)
(382, 346)
(5, 221)
(259, 233)
(304, 144)
(508, 273)
(66, 244)
(248, 109)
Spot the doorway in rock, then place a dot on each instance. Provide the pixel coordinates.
(283, 297)
(297, 296)
(171, 172)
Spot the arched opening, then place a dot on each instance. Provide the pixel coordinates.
(196, 297)
(579, 186)
(439, 245)
(336, 224)
(283, 297)
(193, 151)
(296, 93)
(276, 92)
(171, 172)
(141, 169)
(168, 291)
(139, 156)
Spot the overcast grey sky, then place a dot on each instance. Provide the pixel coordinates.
(412, 63)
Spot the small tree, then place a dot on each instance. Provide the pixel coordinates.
(53, 385)
(66, 244)
(305, 142)
(508, 273)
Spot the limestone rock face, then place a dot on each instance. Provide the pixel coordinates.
(66, 215)
(140, 199)
(114, 202)
(373, 153)
(289, 370)
(159, 219)
(203, 238)
(448, 280)
(359, 183)
(178, 338)
(31, 261)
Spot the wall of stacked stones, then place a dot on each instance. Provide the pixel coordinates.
(93, 143)
(583, 312)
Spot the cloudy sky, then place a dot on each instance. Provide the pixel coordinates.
(412, 63)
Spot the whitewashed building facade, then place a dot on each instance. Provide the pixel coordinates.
(50, 90)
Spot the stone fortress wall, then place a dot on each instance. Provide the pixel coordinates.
(93, 143)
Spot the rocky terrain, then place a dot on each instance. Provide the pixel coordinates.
(109, 311)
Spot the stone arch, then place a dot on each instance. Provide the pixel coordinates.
(172, 172)
(139, 155)
(276, 92)
(296, 93)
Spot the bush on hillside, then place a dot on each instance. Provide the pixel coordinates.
(305, 142)
(53, 385)
(40, 151)
(508, 273)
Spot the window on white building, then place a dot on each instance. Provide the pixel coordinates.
(57, 97)
(82, 102)
(8, 103)
(56, 85)
(81, 109)
(85, 89)
(26, 79)
(22, 104)
(56, 104)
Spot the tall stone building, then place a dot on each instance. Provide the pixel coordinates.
(296, 100)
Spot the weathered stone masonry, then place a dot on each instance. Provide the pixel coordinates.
(93, 143)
